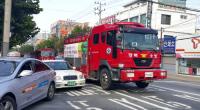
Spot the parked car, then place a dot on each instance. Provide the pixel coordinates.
(66, 76)
(24, 81)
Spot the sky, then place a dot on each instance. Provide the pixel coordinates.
(81, 11)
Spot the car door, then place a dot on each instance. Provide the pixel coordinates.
(26, 85)
(44, 77)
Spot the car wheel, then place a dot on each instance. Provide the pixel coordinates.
(141, 84)
(105, 79)
(51, 92)
(8, 103)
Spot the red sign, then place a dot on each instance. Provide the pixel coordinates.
(195, 42)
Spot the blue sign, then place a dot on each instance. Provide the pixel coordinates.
(169, 44)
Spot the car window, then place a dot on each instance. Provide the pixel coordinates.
(39, 66)
(7, 68)
(26, 66)
(59, 65)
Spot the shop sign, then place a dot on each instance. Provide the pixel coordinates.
(169, 44)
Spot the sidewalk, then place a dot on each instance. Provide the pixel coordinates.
(181, 77)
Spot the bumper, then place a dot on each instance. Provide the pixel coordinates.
(142, 75)
(70, 83)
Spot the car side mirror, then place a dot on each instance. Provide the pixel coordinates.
(73, 67)
(25, 73)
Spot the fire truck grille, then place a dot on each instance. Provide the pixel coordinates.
(142, 62)
(70, 77)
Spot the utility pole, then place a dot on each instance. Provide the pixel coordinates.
(6, 30)
(99, 10)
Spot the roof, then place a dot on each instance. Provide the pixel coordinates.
(134, 2)
(16, 59)
(53, 61)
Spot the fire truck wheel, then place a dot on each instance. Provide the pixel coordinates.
(141, 84)
(105, 79)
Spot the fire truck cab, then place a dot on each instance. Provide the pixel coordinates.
(123, 52)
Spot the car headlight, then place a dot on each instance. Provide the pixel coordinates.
(58, 78)
(81, 76)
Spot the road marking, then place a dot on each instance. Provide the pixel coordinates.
(143, 101)
(184, 92)
(74, 106)
(83, 103)
(101, 90)
(169, 103)
(184, 96)
(69, 93)
(179, 82)
(124, 103)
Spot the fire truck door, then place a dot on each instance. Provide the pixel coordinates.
(94, 53)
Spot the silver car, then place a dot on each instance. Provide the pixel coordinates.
(24, 82)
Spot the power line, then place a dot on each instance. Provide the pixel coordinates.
(98, 10)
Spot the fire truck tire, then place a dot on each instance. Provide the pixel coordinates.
(105, 79)
(141, 84)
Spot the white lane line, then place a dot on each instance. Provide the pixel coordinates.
(88, 92)
(170, 103)
(69, 93)
(165, 88)
(180, 82)
(74, 106)
(124, 103)
(143, 101)
(127, 106)
(184, 96)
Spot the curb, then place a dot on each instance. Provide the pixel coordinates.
(181, 77)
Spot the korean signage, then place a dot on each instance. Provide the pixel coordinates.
(169, 44)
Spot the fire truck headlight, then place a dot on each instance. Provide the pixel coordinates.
(130, 75)
(121, 65)
(163, 73)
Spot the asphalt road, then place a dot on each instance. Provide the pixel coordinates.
(160, 95)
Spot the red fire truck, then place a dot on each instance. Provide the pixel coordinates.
(120, 52)
(44, 54)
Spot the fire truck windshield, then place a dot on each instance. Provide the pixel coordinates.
(141, 41)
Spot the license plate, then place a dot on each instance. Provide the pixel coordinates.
(148, 74)
(71, 83)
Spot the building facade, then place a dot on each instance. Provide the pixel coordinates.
(171, 18)
(62, 28)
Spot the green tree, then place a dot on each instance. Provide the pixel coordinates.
(22, 25)
(54, 43)
(25, 49)
(78, 30)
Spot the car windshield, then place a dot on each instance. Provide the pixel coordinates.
(141, 41)
(59, 65)
(7, 68)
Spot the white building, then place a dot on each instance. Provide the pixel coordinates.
(176, 20)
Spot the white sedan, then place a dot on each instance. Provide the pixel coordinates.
(65, 76)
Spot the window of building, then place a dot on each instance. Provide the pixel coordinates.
(165, 19)
(96, 39)
(143, 19)
(183, 17)
(134, 19)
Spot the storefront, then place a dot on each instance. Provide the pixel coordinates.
(188, 56)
